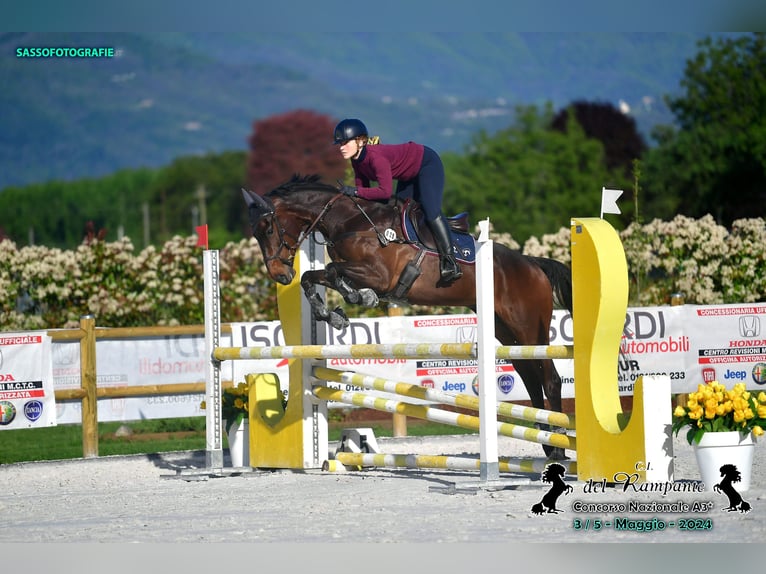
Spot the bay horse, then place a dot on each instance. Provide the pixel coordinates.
(369, 252)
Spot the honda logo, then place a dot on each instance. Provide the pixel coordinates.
(749, 326)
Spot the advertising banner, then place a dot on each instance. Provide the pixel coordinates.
(120, 363)
(729, 344)
(26, 389)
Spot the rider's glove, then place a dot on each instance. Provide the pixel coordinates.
(348, 190)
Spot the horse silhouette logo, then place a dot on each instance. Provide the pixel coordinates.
(553, 474)
(730, 475)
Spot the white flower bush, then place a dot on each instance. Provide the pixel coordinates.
(44, 288)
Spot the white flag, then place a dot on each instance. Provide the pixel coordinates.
(609, 201)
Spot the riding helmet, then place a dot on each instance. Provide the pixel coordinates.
(349, 129)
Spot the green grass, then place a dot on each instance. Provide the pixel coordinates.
(159, 435)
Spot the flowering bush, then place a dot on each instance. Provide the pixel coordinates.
(48, 288)
(713, 408)
(697, 257)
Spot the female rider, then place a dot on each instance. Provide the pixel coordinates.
(419, 173)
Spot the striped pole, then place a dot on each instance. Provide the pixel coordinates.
(509, 410)
(445, 417)
(357, 460)
(391, 351)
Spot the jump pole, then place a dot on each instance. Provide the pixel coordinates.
(508, 410)
(391, 351)
(429, 413)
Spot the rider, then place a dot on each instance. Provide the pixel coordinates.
(419, 173)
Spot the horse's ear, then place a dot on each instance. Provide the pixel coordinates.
(248, 195)
(252, 199)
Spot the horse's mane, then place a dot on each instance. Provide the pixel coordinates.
(553, 471)
(300, 183)
(730, 471)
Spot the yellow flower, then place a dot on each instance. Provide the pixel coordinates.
(691, 402)
(696, 413)
(679, 412)
(711, 408)
(239, 403)
(762, 397)
(739, 404)
(739, 416)
(762, 411)
(757, 431)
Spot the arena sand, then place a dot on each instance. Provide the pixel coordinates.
(342, 521)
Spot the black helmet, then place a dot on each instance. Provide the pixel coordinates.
(349, 129)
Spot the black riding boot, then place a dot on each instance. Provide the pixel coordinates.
(448, 267)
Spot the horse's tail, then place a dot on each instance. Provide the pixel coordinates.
(560, 278)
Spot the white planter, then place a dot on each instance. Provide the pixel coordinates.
(716, 449)
(239, 444)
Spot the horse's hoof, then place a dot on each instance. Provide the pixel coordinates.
(338, 319)
(554, 453)
(353, 298)
(369, 297)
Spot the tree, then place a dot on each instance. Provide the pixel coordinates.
(616, 131)
(528, 178)
(295, 142)
(715, 160)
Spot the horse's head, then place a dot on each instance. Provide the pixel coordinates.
(278, 255)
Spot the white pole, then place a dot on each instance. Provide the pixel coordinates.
(489, 467)
(213, 391)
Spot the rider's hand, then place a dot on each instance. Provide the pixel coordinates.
(348, 190)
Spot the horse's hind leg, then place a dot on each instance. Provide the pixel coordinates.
(538, 375)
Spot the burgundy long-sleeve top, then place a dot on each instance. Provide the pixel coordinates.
(384, 163)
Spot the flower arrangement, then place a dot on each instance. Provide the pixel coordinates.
(234, 407)
(713, 408)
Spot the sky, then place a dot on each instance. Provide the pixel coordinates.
(393, 15)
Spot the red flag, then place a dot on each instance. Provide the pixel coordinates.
(202, 236)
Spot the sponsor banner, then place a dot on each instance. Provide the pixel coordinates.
(729, 344)
(26, 387)
(655, 341)
(121, 363)
(457, 375)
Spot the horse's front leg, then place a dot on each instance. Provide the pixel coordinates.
(310, 279)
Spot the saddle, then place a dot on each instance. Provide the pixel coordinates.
(415, 229)
(413, 213)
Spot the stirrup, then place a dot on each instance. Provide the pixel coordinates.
(449, 270)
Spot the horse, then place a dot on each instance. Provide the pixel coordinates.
(554, 475)
(731, 475)
(372, 261)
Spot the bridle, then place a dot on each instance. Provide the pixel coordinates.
(268, 210)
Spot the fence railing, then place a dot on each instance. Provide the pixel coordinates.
(89, 392)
